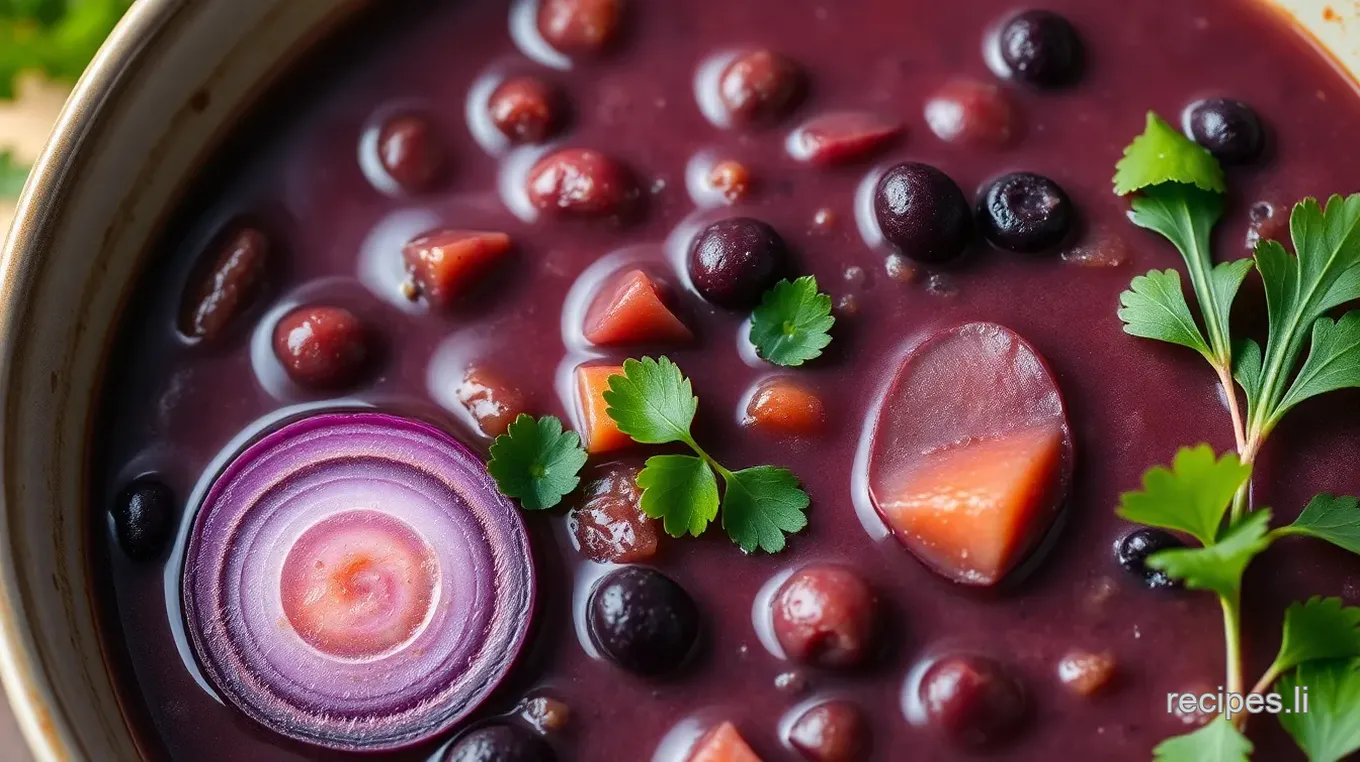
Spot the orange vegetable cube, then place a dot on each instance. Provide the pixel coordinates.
(784, 406)
(631, 311)
(600, 433)
(973, 511)
(445, 263)
(723, 744)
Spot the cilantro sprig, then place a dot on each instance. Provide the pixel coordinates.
(654, 403)
(793, 322)
(1177, 191)
(536, 461)
(1193, 496)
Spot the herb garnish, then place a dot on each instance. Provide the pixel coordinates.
(1180, 188)
(791, 324)
(654, 403)
(536, 461)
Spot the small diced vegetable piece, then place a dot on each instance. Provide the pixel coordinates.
(445, 263)
(601, 434)
(630, 310)
(491, 401)
(974, 510)
(784, 406)
(723, 744)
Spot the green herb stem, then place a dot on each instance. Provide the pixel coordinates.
(1232, 635)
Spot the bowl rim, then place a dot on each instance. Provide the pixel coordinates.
(47, 731)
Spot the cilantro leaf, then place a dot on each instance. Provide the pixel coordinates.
(652, 401)
(761, 505)
(790, 326)
(1330, 728)
(681, 490)
(1217, 741)
(1334, 519)
(536, 461)
(12, 176)
(1163, 155)
(1247, 368)
(1322, 628)
(1333, 361)
(1218, 566)
(1186, 216)
(1191, 496)
(1154, 308)
(1299, 290)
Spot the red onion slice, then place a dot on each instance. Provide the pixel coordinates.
(355, 580)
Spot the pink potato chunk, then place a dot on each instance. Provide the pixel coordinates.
(971, 456)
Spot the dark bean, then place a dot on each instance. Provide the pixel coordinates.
(227, 286)
(1024, 212)
(922, 212)
(642, 620)
(1133, 550)
(582, 182)
(580, 26)
(412, 152)
(500, 743)
(826, 615)
(733, 261)
(143, 519)
(833, 731)
(525, 109)
(760, 86)
(1041, 48)
(1230, 129)
(973, 701)
(321, 347)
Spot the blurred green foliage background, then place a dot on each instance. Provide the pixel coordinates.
(55, 39)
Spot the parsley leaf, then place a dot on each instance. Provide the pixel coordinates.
(681, 490)
(1330, 730)
(1191, 496)
(1218, 741)
(761, 505)
(790, 326)
(536, 461)
(1219, 565)
(1299, 290)
(652, 401)
(1333, 361)
(1180, 196)
(55, 37)
(12, 176)
(1163, 155)
(1322, 628)
(1334, 519)
(1154, 308)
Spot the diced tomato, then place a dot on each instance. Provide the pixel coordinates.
(783, 406)
(973, 511)
(601, 433)
(630, 310)
(723, 744)
(445, 263)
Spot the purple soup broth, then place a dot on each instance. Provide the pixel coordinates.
(190, 646)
